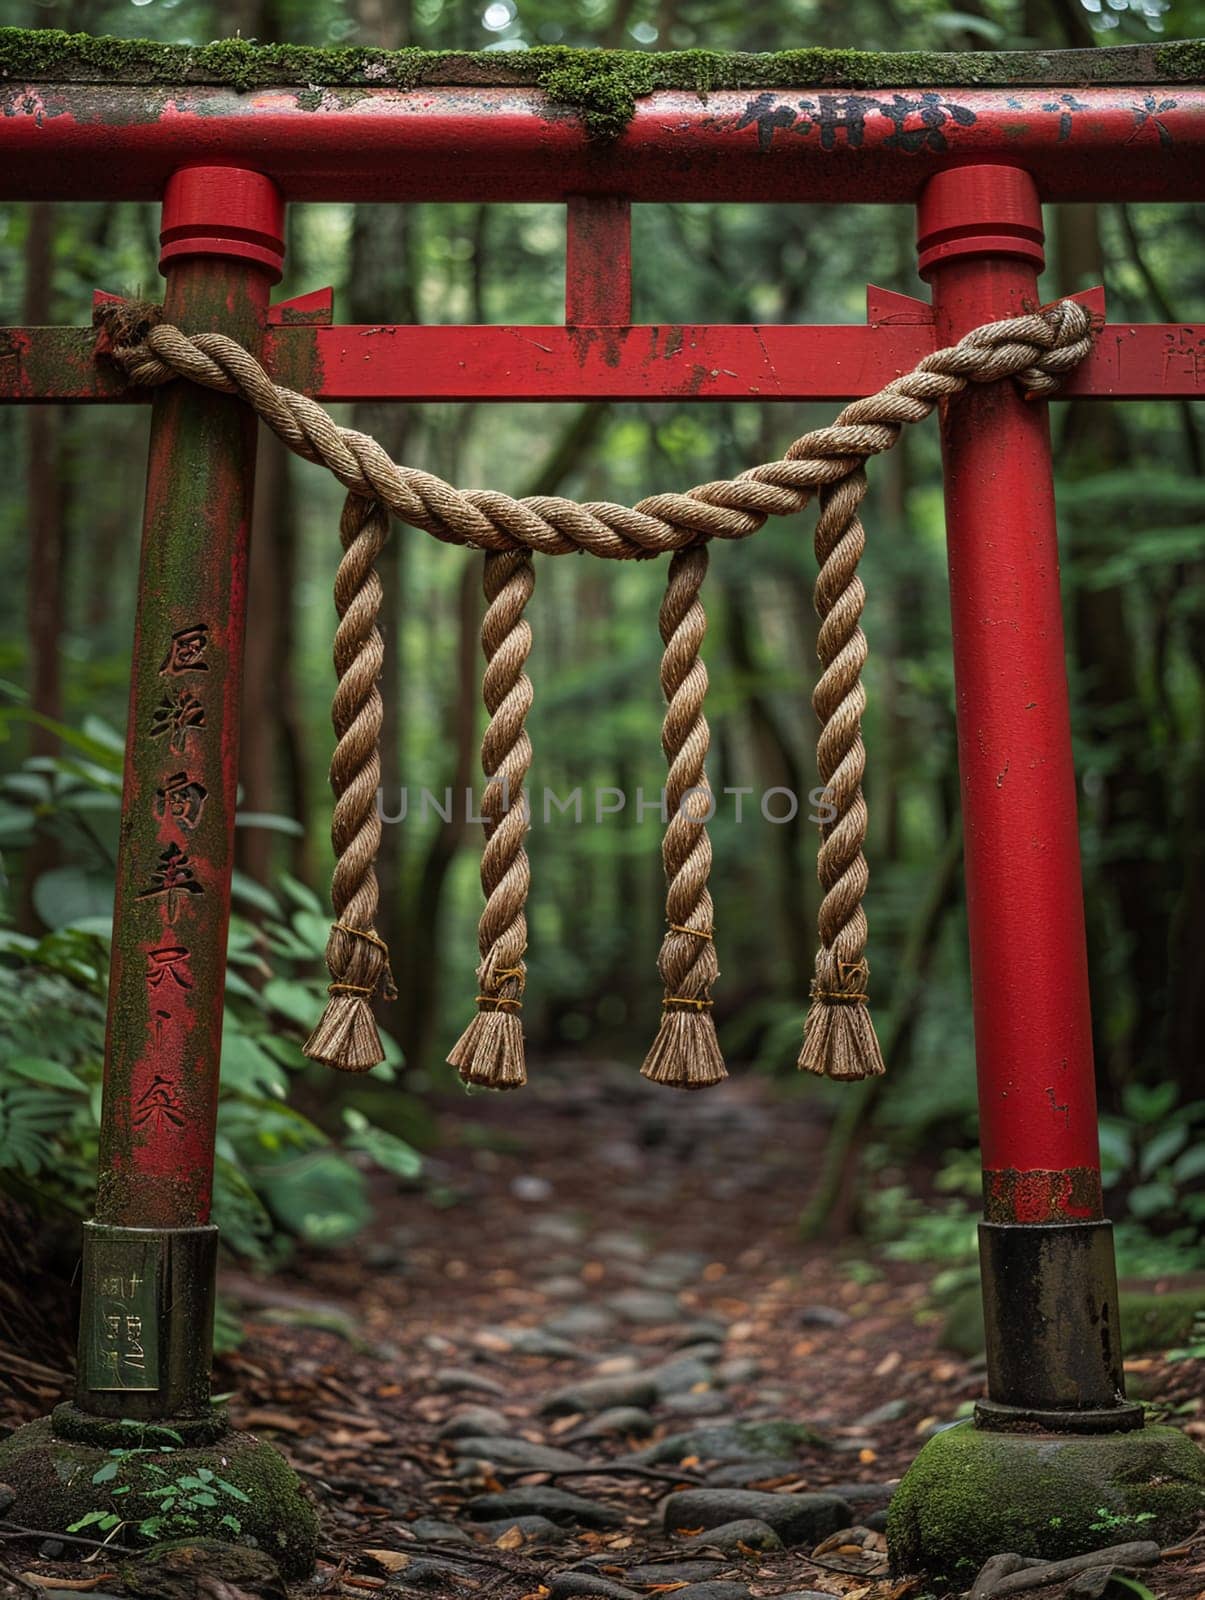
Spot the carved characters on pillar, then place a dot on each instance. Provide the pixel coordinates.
(172, 877)
(183, 798)
(174, 880)
(175, 717)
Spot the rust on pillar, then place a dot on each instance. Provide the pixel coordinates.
(145, 1342)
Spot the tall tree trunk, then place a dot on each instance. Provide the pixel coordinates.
(1134, 805)
(779, 768)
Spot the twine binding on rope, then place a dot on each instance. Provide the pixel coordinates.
(490, 1050)
(686, 1051)
(1036, 349)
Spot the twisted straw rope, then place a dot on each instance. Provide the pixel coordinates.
(1037, 349)
(355, 956)
(505, 760)
(685, 1052)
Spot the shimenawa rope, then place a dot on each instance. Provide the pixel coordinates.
(1037, 349)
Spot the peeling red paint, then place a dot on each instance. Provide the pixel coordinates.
(1128, 361)
(1063, 1195)
(118, 142)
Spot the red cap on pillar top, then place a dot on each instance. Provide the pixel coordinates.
(983, 210)
(223, 211)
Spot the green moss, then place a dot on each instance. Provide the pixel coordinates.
(53, 1480)
(971, 1494)
(601, 86)
(1158, 1321)
(1182, 60)
(1149, 1321)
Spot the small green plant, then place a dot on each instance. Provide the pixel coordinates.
(1113, 1521)
(1194, 1350)
(179, 1498)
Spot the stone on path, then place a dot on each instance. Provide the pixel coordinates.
(738, 1369)
(432, 1574)
(558, 1505)
(795, 1518)
(738, 1441)
(601, 1394)
(535, 1530)
(431, 1530)
(526, 1342)
(706, 1404)
(823, 1317)
(863, 1494)
(761, 1469)
(716, 1589)
(664, 1572)
(699, 1329)
(619, 1245)
(474, 1420)
(507, 1452)
(561, 1287)
(571, 1585)
(616, 1422)
(450, 1380)
(580, 1322)
(648, 1307)
(679, 1376)
(739, 1537)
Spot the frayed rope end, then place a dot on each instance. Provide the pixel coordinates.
(839, 1040)
(490, 1052)
(686, 1052)
(347, 1037)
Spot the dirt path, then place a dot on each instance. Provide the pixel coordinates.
(615, 1276)
(598, 1297)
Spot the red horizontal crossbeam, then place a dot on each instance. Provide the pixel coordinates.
(115, 142)
(705, 362)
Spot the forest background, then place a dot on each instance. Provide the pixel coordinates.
(295, 1144)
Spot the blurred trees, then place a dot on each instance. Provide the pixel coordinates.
(1130, 498)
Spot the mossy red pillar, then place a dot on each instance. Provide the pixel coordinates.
(145, 1338)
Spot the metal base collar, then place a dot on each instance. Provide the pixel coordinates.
(146, 1322)
(1052, 1327)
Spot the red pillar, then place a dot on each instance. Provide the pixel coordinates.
(1049, 1282)
(145, 1338)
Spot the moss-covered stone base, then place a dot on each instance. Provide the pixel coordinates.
(54, 1480)
(971, 1494)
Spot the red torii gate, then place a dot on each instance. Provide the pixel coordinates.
(977, 162)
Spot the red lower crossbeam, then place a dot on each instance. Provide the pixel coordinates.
(696, 362)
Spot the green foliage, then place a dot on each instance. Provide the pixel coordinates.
(1154, 1156)
(278, 1177)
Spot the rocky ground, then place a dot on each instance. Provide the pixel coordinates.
(591, 1359)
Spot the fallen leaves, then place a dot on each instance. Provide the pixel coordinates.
(391, 1560)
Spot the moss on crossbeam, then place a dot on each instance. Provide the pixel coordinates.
(602, 86)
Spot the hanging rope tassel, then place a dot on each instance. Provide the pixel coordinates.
(686, 1052)
(356, 956)
(490, 1050)
(839, 1039)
